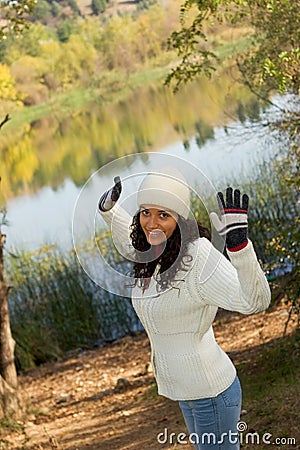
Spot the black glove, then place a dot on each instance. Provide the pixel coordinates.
(233, 223)
(110, 197)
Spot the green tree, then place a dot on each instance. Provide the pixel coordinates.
(98, 6)
(65, 29)
(273, 62)
(42, 11)
(55, 9)
(74, 6)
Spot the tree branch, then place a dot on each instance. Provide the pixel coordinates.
(6, 119)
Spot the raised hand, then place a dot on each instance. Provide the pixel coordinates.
(234, 219)
(110, 197)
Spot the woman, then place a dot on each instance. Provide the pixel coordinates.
(180, 281)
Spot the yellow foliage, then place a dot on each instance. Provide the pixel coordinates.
(83, 50)
(28, 72)
(118, 42)
(156, 21)
(76, 58)
(149, 43)
(91, 31)
(8, 89)
(27, 69)
(50, 52)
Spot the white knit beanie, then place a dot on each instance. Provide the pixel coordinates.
(167, 188)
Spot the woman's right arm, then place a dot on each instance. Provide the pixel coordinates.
(117, 218)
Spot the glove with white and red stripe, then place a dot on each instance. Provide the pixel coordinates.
(234, 223)
(110, 197)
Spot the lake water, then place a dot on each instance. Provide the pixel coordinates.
(215, 127)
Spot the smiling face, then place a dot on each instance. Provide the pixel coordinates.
(157, 223)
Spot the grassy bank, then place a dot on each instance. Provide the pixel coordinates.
(110, 88)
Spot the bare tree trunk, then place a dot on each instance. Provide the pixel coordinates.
(10, 399)
(10, 402)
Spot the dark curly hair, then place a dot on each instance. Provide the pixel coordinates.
(175, 256)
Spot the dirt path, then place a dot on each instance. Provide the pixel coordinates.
(105, 399)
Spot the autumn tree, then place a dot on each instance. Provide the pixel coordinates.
(273, 61)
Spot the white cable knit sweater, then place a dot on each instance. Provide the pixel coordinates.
(188, 363)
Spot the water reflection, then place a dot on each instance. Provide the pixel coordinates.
(44, 164)
(47, 151)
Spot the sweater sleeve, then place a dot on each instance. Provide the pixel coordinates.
(119, 221)
(236, 285)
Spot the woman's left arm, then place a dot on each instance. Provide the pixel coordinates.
(239, 284)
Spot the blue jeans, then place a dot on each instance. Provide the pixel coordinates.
(212, 422)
